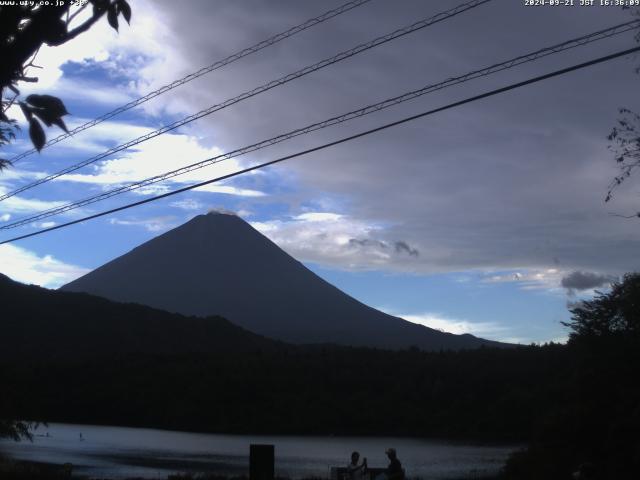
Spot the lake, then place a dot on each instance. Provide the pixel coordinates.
(118, 452)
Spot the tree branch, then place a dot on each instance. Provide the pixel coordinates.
(82, 27)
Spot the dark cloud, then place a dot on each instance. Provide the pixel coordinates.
(367, 242)
(404, 247)
(579, 281)
(513, 181)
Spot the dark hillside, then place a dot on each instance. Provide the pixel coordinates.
(40, 323)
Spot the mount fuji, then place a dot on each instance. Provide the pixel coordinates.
(217, 264)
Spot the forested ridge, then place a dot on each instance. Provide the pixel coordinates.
(577, 406)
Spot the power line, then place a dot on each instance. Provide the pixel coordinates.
(529, 57)
(312, 22)
(263, 88)
(337, 142)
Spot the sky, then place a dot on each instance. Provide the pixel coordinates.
(487, 219)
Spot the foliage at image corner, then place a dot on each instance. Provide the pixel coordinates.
(624, 140)
(25, 29)
(17, 430)
(594, 432)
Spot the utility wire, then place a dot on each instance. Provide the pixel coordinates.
(529, 57)
(312, 22)
(337, 142)
(263, 88)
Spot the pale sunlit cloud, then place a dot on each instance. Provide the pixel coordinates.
(489, 330)
(161, 154)
(26, 266)
(155, 224)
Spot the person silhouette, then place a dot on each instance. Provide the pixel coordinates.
(355, 470)
(394, 470)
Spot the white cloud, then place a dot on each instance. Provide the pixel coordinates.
(337, 240)
(103, 44)
(188, 204)
(16, 174)
(18, 204)
(229, 190)
(44, 224)
(489, 330)
(161, 154)
(319, 217)
(5, 217)
(156, 224)
(100, 137)
(530, 279)
(28, 267)
(68, 88)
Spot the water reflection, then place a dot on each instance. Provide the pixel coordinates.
(119, 452)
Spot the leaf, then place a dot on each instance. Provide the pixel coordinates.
(36, 133)
(54, 32)
(53, 105)
(60, 123)
(99, 6)
(4, 163)
(26, 110)
(112, 16)
(125, 9)
(44, 116)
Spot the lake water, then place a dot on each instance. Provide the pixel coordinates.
(118, 452)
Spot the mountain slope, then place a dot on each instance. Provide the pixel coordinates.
(41, 323)
(217, 264)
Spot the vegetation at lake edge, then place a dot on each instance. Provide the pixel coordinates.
(576, 404)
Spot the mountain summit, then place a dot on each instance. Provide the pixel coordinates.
(217, 264)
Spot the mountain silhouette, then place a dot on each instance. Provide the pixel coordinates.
(217, 264)
(49, 324)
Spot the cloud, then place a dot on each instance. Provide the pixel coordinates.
(101, 44)
(164, 153)
(156, 224)
(44, 224)
(528, 278)
(319, 217)
(188, 204)
(28, 267)
(367, 242)
(229, 190)
(579, 281)
(338, 240)
(489, 330)
(19, 204)
(509, 183)
(480, 188)
(404, 247)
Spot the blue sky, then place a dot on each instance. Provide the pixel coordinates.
(486, 219)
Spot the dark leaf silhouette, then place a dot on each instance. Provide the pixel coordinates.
(125, 9)
(23, 31)
(26, 110)
(99, 6)
(60, 123)
(36, 133)
(55, 32)
(48, 102)
(112, 16)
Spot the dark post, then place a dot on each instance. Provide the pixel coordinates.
(261, 461)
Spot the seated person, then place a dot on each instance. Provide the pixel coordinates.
(394, 470)
(356, 471)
